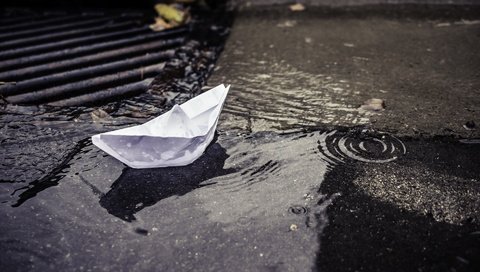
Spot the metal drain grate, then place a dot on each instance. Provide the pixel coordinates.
(65, 59)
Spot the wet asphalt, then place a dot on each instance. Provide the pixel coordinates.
(298, 178)
(317, 67)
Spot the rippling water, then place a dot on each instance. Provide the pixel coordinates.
(254, 197)
(272, 95)
(362, 145)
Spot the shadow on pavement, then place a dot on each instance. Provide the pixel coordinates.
(367, 234)
(136, 189)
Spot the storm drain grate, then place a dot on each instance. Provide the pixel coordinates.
(65, 59)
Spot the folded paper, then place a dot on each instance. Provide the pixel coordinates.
(175, 138)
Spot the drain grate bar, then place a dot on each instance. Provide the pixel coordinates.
(73, 59)
(64, 35)
(85, 50)
(87, 86)
(105, 95)
(84, 73)
(68, 23)
(36, 24)
(14, 53)
(90, 60)
(15, 20)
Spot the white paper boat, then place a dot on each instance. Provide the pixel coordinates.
(175, 138)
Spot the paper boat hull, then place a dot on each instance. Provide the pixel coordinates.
(153, 152)
(150, 146)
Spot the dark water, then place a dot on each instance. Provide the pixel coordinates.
(228, 203)
(253, 201)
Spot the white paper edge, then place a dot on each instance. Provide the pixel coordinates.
(96, 140)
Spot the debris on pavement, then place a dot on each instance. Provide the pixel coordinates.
(470, 125)
(160, 25)
(171, 13)
(443, 24)
(98, 115)
(287, 23)
(461, 22)
(169, 16)
(373, 104)
(293, 227)
(297, 7)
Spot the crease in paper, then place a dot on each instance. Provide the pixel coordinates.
(175, 138)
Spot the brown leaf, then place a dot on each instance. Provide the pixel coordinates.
(160, 25)
(297, 7)
(373, 104)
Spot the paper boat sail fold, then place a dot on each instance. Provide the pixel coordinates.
(175, 138)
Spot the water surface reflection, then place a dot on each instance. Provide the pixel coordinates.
(259, 187)
(136, 189)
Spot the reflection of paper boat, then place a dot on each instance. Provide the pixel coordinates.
(177, 137)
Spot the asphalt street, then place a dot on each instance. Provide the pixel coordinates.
(349, 142)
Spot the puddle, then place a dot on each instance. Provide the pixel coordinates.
(255, 197)
(297, 99)
(362, 145)
(230, 202)
(258, 197)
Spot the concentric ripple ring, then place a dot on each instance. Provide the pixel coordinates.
(363, 145)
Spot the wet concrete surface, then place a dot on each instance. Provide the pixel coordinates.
(255, 202)
(228, 209)
(317, 67)
(417, 213)
(422, 61)
(297, 179)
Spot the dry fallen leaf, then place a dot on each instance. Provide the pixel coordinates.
(297, 7)
(373, 104)
(98, 115)
(170, 13)
(169, 16)
(160, 25)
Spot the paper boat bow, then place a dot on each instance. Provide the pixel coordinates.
(175, 138)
